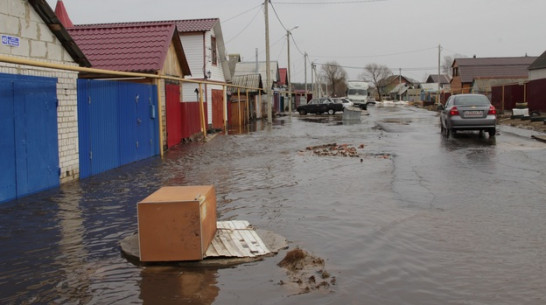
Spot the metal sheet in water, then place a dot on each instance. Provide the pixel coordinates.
(236, 239)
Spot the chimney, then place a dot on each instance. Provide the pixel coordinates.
(61, 13)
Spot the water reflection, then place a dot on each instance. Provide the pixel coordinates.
(172, 285)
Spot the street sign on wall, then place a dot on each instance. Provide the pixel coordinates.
(11, 41)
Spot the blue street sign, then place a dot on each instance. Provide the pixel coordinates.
(10, 41)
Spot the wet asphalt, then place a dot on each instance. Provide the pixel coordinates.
(414, 219)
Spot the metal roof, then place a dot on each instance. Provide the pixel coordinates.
(433, 78)
(134, 47)
(249, 81)
(252, 67)
(539, 63)
(196, 25)
(508, 67)
(236, 238)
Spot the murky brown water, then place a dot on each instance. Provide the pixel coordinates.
(417, 219)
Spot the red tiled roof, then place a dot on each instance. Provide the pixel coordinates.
(133, 47)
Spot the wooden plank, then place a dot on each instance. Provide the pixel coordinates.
(236, 239)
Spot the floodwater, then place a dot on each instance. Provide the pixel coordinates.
(416, 219)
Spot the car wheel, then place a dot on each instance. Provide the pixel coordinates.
(331, 111)
(492, 132)
(303, 112)
(443, 130)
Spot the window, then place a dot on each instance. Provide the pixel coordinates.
(213, 51)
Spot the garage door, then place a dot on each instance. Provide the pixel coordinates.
(29, 155)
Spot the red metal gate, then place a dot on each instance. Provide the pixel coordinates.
(174, 114)
(218, 109)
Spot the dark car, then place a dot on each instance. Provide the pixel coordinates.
(320, 106)
(468, 112)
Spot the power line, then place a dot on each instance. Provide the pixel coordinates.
(384, 55)
(277, 15)
(231, 18)
(244, 29)
(329, 2)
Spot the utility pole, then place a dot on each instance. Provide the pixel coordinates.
(399, 83)
(267, 65)
(438, 95)
(313, 79)
(305, 68)
(288, 82)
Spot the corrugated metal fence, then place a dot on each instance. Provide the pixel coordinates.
(29, 155)
(117, 124)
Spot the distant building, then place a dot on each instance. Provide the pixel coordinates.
(537, 70)
(478, 74)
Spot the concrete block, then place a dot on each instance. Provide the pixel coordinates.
(9, 25)
(44, 34)
(29, 30)
(55, 52)
(38, 49)
(4, 8)
(22, 50)
(18, 8)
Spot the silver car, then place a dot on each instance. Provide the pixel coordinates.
(468, 112)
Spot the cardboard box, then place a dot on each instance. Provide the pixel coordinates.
(177, 223)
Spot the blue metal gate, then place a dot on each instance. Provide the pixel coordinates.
(29, 151)
(117, 124)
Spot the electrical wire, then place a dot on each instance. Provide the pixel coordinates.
(278, 18)
(231, 18)
(246, 27)
(329, 2)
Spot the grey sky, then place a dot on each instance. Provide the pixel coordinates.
(397, 33)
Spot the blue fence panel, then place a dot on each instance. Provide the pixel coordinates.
(127, 117)
(121, 116)
(84, 122)
(100, 150)
(148, 131)
(8, 186)
(36, 136)
(29, 150)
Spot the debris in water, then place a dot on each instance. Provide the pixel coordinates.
(304, 272)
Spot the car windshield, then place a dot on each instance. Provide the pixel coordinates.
(471, 100)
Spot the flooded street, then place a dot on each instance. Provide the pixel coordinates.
(415, 219)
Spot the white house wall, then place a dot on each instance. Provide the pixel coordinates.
(537, 74)
(193, 49)
(37, 42)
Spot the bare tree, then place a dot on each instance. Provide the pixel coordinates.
(335, 78)
(446, 64)
(448, 61)
(378, 75)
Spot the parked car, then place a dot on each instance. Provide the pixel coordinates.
(320, 106)
(344, 101)
(468, 112)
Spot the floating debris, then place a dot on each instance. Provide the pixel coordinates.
(306, 272)
(343, 150)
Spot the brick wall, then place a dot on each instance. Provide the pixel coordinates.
(37, 42)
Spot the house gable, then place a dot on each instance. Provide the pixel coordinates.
(39, 33)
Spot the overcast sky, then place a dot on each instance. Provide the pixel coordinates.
(401, 34)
